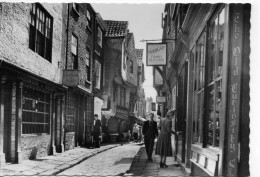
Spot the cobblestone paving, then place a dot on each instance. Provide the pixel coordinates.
(112, 162)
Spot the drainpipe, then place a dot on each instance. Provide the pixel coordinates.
(67, 42)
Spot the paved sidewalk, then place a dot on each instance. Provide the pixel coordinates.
(142, 167)
(54, 164)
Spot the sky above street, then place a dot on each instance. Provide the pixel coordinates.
(144, 21)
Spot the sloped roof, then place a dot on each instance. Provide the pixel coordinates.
(116, 28)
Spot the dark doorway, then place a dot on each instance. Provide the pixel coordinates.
(8, 121)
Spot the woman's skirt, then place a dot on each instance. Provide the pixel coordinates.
(164, 145)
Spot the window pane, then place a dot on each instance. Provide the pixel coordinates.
(99, 37)
(97, 73)
(35, 110)
(74, 43)
(212, 48)
(210, 114)
(220, 42)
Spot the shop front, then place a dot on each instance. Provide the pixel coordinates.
(31, 111)
(215, 90)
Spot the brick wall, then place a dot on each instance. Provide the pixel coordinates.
(14, 45)
(78, 27)
(34, 146)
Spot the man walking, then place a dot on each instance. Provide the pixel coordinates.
(150, 132)
(96, 133)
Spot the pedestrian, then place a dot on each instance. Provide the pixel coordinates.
(128, 135)
(135, 132)
(96, 131)
(164, 145)
(150, 132)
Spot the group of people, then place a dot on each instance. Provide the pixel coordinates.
(137, 133)
(150, 132)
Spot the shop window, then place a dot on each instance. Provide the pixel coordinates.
(199, 75)
(214, 81)
(40, 38)
(211, 82)
(74, 51)
(36, 112)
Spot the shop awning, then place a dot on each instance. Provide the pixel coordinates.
(108, 113)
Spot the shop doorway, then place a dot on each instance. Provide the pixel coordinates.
(181, 114)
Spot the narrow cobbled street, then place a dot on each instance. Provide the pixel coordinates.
(114, 161)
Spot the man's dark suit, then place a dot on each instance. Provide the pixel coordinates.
(96, 133)
(150, 132)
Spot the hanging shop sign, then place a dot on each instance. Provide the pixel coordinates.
(160, 99)
(156, 54)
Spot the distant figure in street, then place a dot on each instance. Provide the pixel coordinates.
(164, 145)
(128, 135)
(135, 132)
(150, 132)
(96, 133)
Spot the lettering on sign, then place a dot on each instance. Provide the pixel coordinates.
(156, 54)
(234, 103)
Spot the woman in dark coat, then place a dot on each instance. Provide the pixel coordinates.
(164, 145)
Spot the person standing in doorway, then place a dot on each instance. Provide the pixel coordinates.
(164, 145)
(96, 133)
(150, 132)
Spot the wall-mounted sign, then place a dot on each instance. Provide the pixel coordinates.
(160, 99)
(156, 54)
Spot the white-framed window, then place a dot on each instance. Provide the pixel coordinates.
(74, 51)
(88, 65)
(88, 19)
(99, 37)
(40, 38)
(97, 74)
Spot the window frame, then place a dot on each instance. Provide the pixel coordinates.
(97, 77)
(44, 46)
(208, 84)
(88, 79)
(99, 36)
(214, 83)
(88, 20)
(122, 96)
(131, 67)
(32, 125)
(74, 56)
